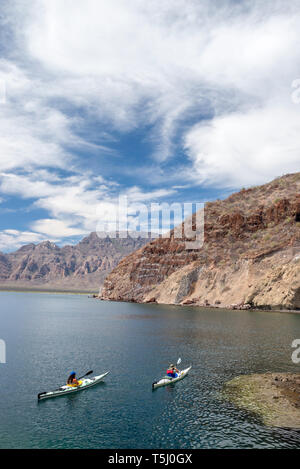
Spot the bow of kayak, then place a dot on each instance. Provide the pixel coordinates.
(166, 381)
(63, 390)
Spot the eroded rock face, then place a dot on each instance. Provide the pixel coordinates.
(187, 286)
(81, 267)
(250, 256)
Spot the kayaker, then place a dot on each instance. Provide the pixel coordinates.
(72, 379)
(172, 371)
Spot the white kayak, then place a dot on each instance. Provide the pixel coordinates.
(166, 380)
(63, 390)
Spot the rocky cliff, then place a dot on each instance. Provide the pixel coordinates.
(82, 267)
(250, 256)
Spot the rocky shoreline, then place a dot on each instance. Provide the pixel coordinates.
(274, 397)
(206, 305)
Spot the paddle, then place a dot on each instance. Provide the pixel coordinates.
(178, 362)
(86, 374)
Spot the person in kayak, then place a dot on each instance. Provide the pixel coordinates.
(72, 381)
(172, 371)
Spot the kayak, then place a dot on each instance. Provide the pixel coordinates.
(63, 390)
(166, 380)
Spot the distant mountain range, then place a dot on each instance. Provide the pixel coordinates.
(81, 267)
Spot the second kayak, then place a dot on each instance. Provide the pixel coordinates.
(63, 390)
(165, 381)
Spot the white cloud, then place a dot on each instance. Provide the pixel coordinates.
(76, 204)
(135, 194)
(14, 239)
(31, 133)
(215, 78)
(246, 148)
(161, 63)
(55, 228)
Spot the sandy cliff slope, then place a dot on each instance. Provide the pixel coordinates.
(250, 256)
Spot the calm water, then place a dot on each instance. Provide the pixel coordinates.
(49, 335)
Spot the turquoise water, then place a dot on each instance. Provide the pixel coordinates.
(49, 335)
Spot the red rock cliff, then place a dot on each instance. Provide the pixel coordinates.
(250, 255)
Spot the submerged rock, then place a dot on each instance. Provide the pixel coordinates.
(274, 397)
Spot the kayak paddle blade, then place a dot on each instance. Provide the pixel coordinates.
(86, 374)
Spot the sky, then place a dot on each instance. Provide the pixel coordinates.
(162, 101)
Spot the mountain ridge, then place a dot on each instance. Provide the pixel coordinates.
(250, 256)
(80, 267)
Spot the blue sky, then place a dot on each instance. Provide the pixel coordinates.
(168, 101)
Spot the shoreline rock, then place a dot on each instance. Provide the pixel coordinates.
(274, 397)
(194, 304)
